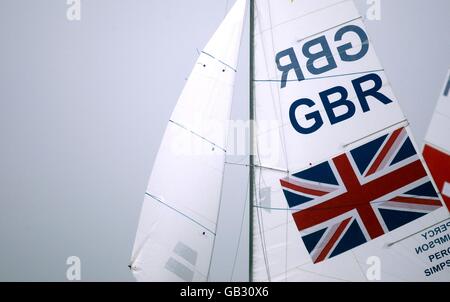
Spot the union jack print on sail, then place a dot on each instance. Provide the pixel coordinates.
(359, 195)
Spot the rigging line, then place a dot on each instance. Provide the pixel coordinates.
(276, 109)
(323, 77)
(261, 228)
(286, 250)
(283, 136)
(323, 275)
(299, 267)
(257, 166)
(240, 235)
(198, 135)
(220, 61)
(359, 265)
(381, 130)
(307, 14)
(179, 212)
(283, 142)
(217, 220)
(263, 240)
(413, 234)
(274, 228)
(260, 180)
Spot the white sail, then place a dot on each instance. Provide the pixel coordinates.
(340, 191)
(437, 143)
(176, 232)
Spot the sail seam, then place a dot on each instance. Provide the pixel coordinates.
(379, 131)
(179, 212)
(400, 240)
(324, 77)
(198, 135)
(304, 15)
(325, 30)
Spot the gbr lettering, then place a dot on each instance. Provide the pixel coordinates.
(346, 52)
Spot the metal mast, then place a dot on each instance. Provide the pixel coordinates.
(252, 134)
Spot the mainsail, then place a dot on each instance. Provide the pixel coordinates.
(176, 232)
(437, 143)
(340, 191)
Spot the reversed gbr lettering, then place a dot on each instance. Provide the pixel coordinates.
(287, 60)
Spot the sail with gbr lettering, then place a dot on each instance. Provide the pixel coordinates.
(341, 192)
(437, 143)
(177, 228)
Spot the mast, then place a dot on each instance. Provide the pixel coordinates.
(252, 130)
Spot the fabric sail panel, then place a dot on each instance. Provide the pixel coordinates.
(341, 193)
(437, 143)
(176, 231)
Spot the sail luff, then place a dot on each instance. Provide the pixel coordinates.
(177, 228)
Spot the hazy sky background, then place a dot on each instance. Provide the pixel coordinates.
(84, 106)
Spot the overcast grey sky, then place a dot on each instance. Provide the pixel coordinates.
(84, 105)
